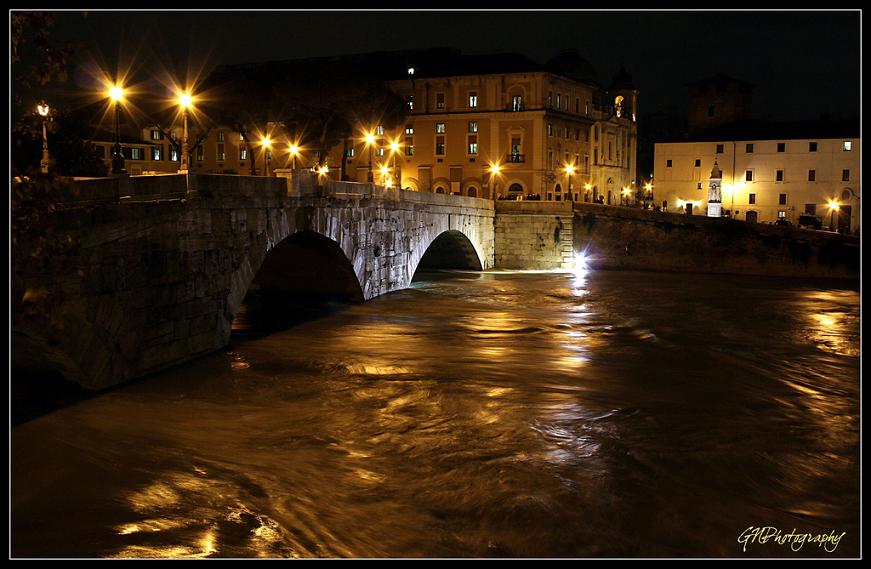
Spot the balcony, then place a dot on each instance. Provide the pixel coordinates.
(515, 158)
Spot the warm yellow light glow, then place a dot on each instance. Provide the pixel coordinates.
(570, 169)
(394, 146)
(680, 203)
(626, 191)
(383, 170)
(389, 183)
(116, 92)
(294, 149)
(370, 138)
(495, 168)
(185, 100)
(42, 109)
(834, 205)
(324, 170)
(648, 186)
(588, 187)
(265, 142)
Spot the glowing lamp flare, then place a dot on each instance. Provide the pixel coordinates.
(265, 142)
(834, 205)
(185, 100)
(116, 93)
(370, 138)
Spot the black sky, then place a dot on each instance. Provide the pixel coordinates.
(803, 63)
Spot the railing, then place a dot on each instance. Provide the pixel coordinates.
(516, 158)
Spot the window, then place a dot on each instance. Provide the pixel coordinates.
(220, 136)
(136, 154)
(473, 99)
(156, 135)
(409, 129)
(748, 176)
(749, 149)
(516, 103)
(781, 199)
(781, 147)
(440, 146)
(811, 146)
(440, 128)
(848, 145)
(201, 153)
(586, 107)
(698, 163)
(440, 100)
(577, 104)
(719, 149)
(351, 152)
(243, 154)
(173, 155)
(781, 214)
(379, 130)
(558, 99)
(550, 129)
(515, 149)
(221, 152)
(668, 163)
(473, 144)
(811, 175)
(379, 151)
(473, 126)
(845, 175)
(566, 132)
(752, 198)
(409, 102)
(409, 146)
(779, 176)
(269, 154)
(155, 153)
(549, 99)
(241, 137)
(699, 186)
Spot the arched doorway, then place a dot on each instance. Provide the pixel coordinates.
(473, 192)
(751, 216)
(439, 190)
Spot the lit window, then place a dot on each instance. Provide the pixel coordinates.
(220, 136)
(136, 154)
(269, 154)
(473, 99)
(473, 126)
(516, 103)
(848, 145)
(409, 102)
(440, 127)
(379, 151)
(155, 135)
(781, 214)
(351, 152)
(409, 146)
(221, 152)
(440, 146)
(409, 129)
(549, 129)
(558, 99)
(699, 186)
(379, 130)
(473, 144)
(173, 155)
(155, 153)
(201, 153)
(243, 154)
(440, 100)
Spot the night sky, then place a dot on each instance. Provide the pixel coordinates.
(803, 64)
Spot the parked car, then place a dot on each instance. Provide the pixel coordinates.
(810, 221)
(783, 221)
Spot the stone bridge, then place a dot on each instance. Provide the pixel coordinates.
(165, 261)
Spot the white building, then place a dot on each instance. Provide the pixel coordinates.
(768, 172)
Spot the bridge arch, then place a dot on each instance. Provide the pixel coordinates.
(451, 249)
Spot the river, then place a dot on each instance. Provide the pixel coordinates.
(495, 414)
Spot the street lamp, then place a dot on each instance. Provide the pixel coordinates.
(494, 171)
(266, 144)
(116, 93)
(294, 152)
(185, 101)
(570, 169)
(626, 193)
(43, 110)
(394, 150)
(587, 188)
(833, 207)
(384, 170)
(370, 142)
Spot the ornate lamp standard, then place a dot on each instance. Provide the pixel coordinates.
(43, 110)
(116, 93)
(185, 101)
(394, 150)
(833, 207)
(494, 172)
(294, 152)
(570, 169)
(266, 144)
(370, 142)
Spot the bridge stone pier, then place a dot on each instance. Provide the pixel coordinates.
(165, 262)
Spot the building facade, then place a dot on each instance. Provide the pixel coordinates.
(765, 179)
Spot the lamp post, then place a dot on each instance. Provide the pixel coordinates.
(43, 110)
(370, 142)
(266, 143)
(117, 94)
(384, 170)
(394, 150)
(494, 171)
(833, 206)
(587, 188)
(570, 169)
(184, 101)
(294, 150)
